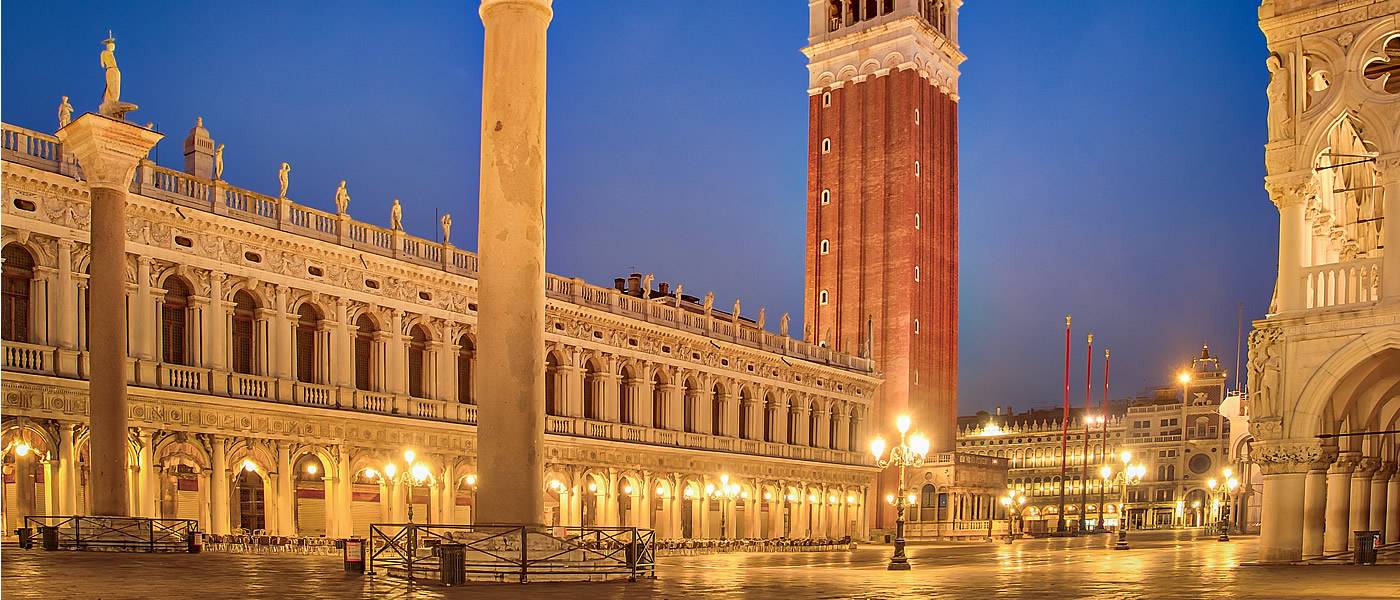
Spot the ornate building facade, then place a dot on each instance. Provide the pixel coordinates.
(1177, 432)
(282, 359)
(1325, 361)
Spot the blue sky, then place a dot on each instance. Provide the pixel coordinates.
(1111, 152)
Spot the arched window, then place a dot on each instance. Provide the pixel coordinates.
(551, 389)
(306, 346)
(717, 411)
(244, 319)
(826, 197)
(794, 419)
(174, 318)
(851, 431)
(813, 425)
(18, 275)
(916, 272)
(826, 145)
(823, 297)
(826, 99)
(658, 402)
(364, 354)
(590, 391)
(466, 358)
(417, 355)
(744, 408)
(917, 224)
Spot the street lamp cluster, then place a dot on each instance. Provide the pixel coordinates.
(1013, 503)
(1222, 490)
(909, 453)
(1130, 474)
(415, 474)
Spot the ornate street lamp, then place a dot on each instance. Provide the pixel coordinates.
(1224, 490)
(1013, 503)
(1130, 475)
(909, 453)
(724, 493)
(416, 474)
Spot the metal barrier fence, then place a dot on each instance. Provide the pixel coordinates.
(510, 552)
(79, 532)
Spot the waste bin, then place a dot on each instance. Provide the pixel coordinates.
(353, 552)
(26, 537)
(452, 563)
(1365, 548)
(49, 535)
(196, 541)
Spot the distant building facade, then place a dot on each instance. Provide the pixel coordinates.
(1183, 444)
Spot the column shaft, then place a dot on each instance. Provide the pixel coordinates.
(1338, 504)
(1281, 536)
(511, 263)
(1314, 512)
(107, 358)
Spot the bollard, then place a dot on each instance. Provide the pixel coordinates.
(196, 542)
(353, 553)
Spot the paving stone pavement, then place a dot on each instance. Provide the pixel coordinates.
(1161, 565)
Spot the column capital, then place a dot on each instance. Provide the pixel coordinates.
(108, 150)
(1287, 456)
(1366, 467)
(1290, 189)
(1345, 462)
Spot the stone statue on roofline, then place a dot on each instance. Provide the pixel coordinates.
(342, 199)
(446, 228)
(65, 113)
(112, 106)
(396, 216)
(735, 314)
(646, 285)
(762, 316)
(219, 162)
(709, 302)
(282, 175)
(783, 324)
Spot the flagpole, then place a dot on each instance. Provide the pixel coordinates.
(1064, 435)
(1104, 453)
(1088, 406)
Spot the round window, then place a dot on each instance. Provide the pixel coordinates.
(1200, 463)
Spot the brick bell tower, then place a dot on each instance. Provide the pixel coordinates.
(882, 204)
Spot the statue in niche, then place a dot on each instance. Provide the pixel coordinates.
(762, 316)
(65, 113)
(219, 162)
(709, 302)
(783, 324)
(282, 175)
(446, 221)
(1278, 98)
(396, 216)
(112, 106)
(342, 199)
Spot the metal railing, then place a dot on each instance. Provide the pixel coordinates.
(512, 552)
(140, 534)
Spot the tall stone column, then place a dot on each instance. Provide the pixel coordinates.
(108, 151)
(146, 475)
(1285, 464)
(511, 263)
(1338, 502)
(1392, 508)
(68, 469)
(1390, 172)
(1314, 511)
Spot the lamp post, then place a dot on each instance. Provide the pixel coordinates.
(724, 493)
(1223, 489)
(415, 474)
(1013, 503)
(909, 453)
(1130, 474)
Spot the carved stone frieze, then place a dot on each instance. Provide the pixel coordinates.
(1286, 456)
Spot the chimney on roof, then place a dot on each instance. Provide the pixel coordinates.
(998, 410)
(199, 151)
(620, 284)
(634, 284)
(664, 289)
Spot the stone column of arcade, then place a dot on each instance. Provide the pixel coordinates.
(511, 262)
(108, 150)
